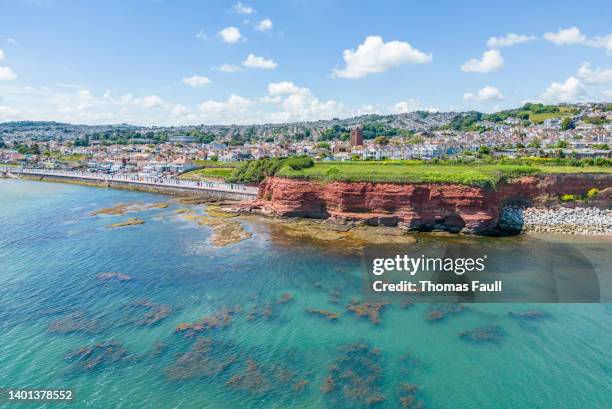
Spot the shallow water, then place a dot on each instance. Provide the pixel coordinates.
(51, 251)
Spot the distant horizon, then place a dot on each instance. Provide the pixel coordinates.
(286, 123)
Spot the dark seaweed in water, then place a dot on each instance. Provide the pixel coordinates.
(144, 312)
(355, 376)
(366, 309)
(97, 356)
(258, 379)
(260, 311)
(530, 315)
(245, 371)
(492, 334)
(408, 392)
(440, 312)
(407, 396)
(219, 319)
(77, 322)
(206, 358)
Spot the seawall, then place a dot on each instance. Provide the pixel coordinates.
(123, 185)
(424, 206)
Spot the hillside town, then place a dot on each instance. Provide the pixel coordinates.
(574, 131)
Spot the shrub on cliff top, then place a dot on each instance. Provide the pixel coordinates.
(568, 198)
(592, 193)
(255, 171)
(299, 163)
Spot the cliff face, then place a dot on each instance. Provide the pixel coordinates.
(418, 206)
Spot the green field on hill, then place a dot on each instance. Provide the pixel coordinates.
(541, 117)
(486, 175)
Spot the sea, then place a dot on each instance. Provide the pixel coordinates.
(266, 322)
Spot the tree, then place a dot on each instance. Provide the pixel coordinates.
(82, 142)
(2, 144)
(534, 144)
(567, 124)
(484, 150)
(381, 140)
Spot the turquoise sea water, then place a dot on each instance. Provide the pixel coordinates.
(268, 354)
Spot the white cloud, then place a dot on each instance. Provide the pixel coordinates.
(286, 87)
(604, 42)
(180, 110)
(11, 41)
(234, 104)
(367, 109)
(150, 101)
(253, 61)
(487, 93)
(298, 104)
(243, 9)
(491, 61)
(6, 74)
(597, 76)
(571, 90)
(284, 101)
(201, 35)
(7, 113)
(411, 105)
(227, 68)
(569, 36)
(231, 35)
(264, 25)
(508, 40)
(566, 36)
(374, 56)
(268, 99)
(196, 81)
(1, 54)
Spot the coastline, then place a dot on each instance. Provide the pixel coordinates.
(529, 220)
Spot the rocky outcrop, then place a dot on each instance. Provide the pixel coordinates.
(425, 206)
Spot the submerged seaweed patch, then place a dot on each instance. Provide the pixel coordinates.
(144, 312)
(77, 322)
(355, 376)
(328, 315)
(441, 311)
(100, 355)
(206, 358)
(219, 319)
(488, 334)
(366, 309)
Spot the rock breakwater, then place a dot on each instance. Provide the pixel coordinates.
(579, 220)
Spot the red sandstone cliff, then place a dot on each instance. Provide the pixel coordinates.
(417, 206)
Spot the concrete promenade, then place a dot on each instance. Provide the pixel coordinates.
(165, 184)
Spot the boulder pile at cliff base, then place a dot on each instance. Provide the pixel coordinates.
(580, 220)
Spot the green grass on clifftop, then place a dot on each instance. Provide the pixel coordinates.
(485, 175)
(207, 173)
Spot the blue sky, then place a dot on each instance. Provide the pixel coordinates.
(158, 62)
